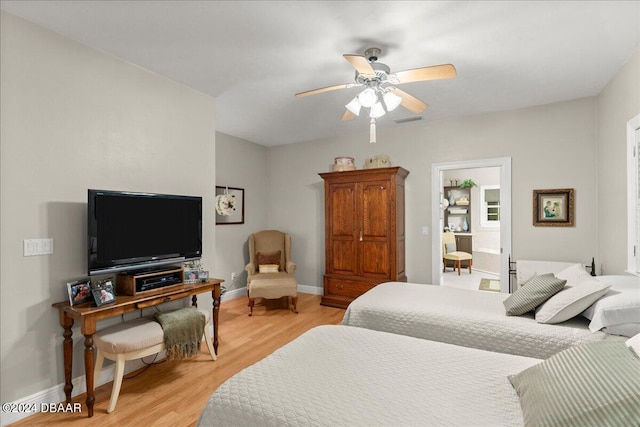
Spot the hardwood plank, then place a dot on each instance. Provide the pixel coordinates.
(174, 393)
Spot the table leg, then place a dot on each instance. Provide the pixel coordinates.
(216, 309)
(67, 346)
(194, 301)
(88, 369)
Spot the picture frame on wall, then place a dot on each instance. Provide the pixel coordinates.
(553, 207)
(229, 205)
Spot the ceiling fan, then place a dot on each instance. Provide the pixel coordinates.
(380, 93)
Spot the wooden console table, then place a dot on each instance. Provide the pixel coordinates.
(88, 317)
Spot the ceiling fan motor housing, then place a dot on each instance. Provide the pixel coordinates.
(372, 54)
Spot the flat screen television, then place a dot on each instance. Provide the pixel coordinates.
(134, 231)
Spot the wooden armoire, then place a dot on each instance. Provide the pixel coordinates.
(364, 232)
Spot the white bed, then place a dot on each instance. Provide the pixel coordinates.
(339, 375)
(463, 317)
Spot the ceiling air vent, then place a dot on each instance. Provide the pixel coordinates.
(408, 119)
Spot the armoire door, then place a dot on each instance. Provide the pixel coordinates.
(343, 229)
(375, 229)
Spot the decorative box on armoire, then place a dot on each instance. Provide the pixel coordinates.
(364, 232)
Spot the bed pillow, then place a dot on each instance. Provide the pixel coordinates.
(269, 258)
(534, 292)
(624, 329)
(571, 301)
(634, 343)
(573, 274)
(593, 384)
(620, 305)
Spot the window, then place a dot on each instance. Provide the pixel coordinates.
(490, 206)
(633, 195)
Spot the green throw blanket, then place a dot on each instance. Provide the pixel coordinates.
(183, 331)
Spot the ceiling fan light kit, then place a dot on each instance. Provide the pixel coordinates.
(380, 94)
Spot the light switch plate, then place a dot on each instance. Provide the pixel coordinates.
(34, 247)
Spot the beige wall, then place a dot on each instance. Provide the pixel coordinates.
(74, 118)
(243, 164)
(551, 146)
(618, 103)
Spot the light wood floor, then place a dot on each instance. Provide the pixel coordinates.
(174, 393)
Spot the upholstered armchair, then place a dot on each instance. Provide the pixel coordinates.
(451, 253)
(270, 272)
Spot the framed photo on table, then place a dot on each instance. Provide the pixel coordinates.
(79, 291)
(553, 208)
(104, 292)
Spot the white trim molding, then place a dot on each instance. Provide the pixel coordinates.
(504, 163)
(633, 207)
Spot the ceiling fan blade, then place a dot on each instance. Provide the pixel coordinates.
(409, 102)
(348, 115)
(360, 63)
(324, 89)
(436, 72)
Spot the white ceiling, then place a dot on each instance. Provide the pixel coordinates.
(253, 56)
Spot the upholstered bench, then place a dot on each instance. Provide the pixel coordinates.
(133, 340)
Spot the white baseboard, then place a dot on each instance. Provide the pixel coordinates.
(314, 290)
(56, 394)
(242, 292)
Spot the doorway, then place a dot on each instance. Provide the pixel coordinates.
(502, 166)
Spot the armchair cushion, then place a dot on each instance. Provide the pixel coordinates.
(269, 258)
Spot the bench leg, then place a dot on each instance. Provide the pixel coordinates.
(207, 338)
(99, 362)
(117, 382)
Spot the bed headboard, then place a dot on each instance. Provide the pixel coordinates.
(522, 270)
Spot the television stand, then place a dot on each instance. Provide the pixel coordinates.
(145, 282)
(88, 317)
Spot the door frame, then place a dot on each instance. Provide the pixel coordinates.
(437, 169)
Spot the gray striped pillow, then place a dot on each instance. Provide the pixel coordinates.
(593, 384)
(534, 292)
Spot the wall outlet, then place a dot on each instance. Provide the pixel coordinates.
(425, 230)
(233, 275)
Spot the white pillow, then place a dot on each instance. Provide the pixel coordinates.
(268, 268)
(634, 343)
(621, 304)
(570, 302)
(624, 329)
(573, 274)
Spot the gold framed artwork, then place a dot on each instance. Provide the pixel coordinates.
(553, 208)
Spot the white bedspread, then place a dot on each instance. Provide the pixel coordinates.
(343, 376)
(463, 317)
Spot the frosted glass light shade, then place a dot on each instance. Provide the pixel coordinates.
(377, 110)
(391, 100)
(354, 106)
(367, 97)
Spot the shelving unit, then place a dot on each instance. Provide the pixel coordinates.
(456, 213)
